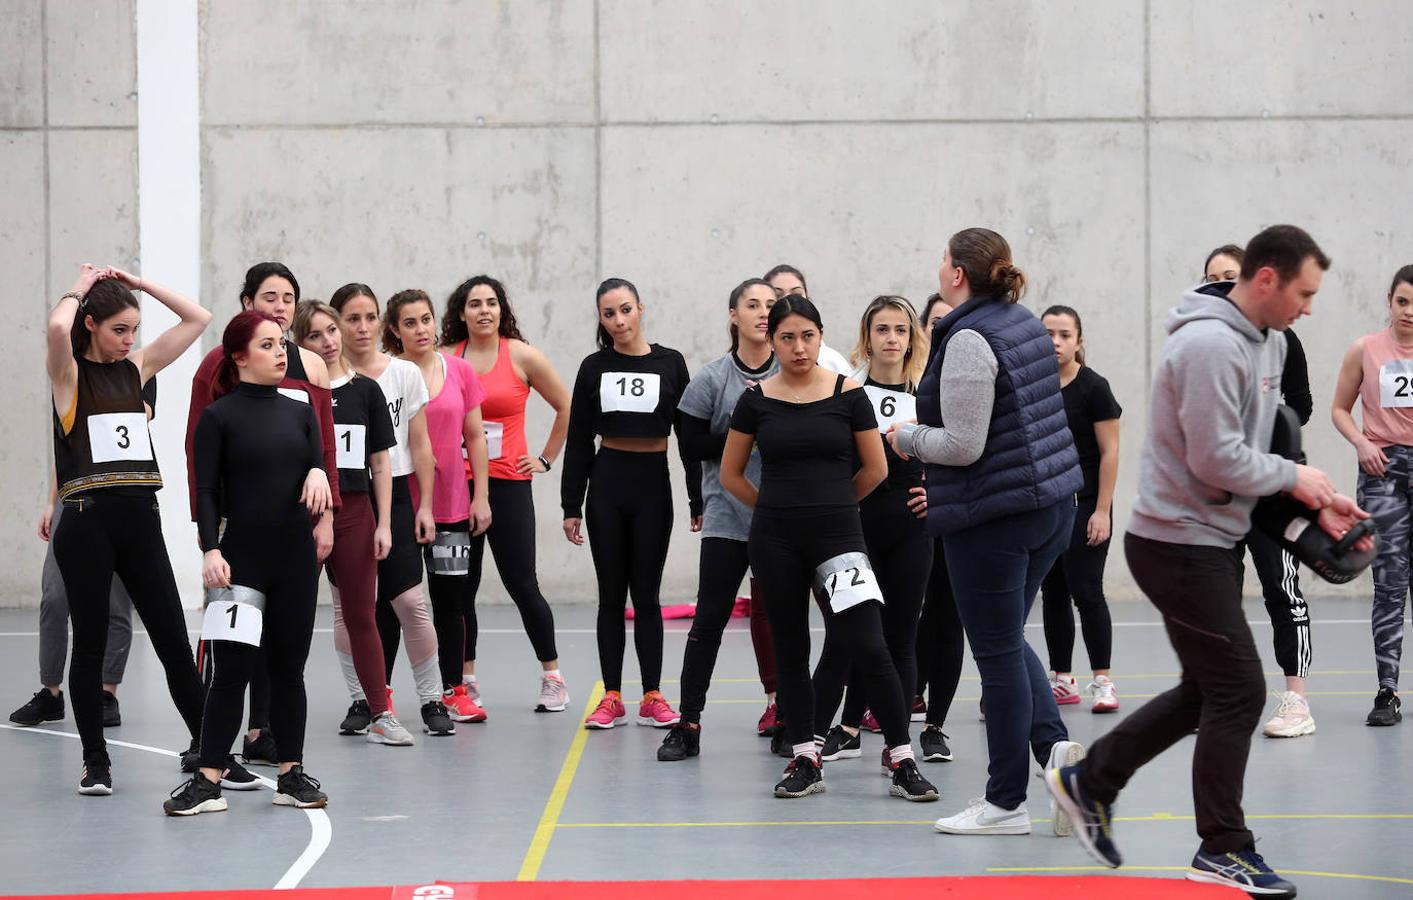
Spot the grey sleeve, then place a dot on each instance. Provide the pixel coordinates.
(968, 389)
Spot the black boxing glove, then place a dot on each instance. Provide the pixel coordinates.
(1294, 526)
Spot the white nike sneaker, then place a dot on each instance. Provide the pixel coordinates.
(984, 817)
(1292, 718)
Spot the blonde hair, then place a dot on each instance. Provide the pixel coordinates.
(914, 358)
(304, 313)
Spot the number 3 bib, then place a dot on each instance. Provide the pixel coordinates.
(117, 436)
(1396, 383)
(629, 391)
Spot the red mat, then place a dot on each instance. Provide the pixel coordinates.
(993, 887)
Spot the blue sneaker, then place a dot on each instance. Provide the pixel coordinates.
(1243, 869)
(1090, 819)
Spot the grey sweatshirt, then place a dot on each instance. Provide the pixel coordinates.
(967, 385)
(1215, 392)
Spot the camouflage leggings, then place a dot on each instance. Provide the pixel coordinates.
(1389, 499)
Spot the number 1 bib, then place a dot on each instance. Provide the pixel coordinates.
(350, 442)
(629, 391)
(1396, 383)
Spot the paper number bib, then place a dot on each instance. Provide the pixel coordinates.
(116, 436)
(848, 580)
(231, 620)
(891, 406)
(1396, 383)
(294, 394)
(495, 433)
(349, 440)
(629, 391)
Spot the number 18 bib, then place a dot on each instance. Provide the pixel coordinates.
(629, 391)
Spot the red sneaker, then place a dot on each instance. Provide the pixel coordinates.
(1066, 690)
(460, 707)
(919, 710)
(654, 711)
(766, 726)
(869, 723)
(608, 713)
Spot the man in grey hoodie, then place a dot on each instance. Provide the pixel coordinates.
(1204, 465)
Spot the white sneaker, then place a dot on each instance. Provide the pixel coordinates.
(386, 729)
(1106, 696)
(983, 817)
(554, 696)
(1292, 718)
(1063, 753)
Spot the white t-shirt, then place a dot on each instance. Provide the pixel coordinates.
(406, 394)
(834, 361)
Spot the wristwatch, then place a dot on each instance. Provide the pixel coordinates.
(544, 462)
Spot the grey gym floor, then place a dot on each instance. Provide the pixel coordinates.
(1336, 806)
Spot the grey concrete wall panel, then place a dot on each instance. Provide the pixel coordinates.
(409, 62)
(21, 64)
(810, 61)
(92, 63)
(1314, 58)
(24, 454)
(93, 202)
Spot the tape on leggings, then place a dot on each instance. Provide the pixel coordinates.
(847, 580)
(449, 553)
(235, 613)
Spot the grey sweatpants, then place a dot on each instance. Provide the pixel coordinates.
(1389, 500)
(54, 623)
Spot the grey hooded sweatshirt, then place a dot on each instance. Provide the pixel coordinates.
(1215, 392)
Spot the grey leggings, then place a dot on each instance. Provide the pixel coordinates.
(54, 623)
(1389, 500)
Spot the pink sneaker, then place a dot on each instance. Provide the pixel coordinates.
(390, 706)
(461, 707)
(868, 723)
(608, 713)
(1066, 690)
(766, 726)
(654, 711)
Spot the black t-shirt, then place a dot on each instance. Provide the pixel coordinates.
(362, 427)
(806, 449)
(1088, 399)
(894, 403)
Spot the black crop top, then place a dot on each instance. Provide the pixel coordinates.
(253, 449)
(807, 450)
(362, 426)
(103, 442)
(623, 396)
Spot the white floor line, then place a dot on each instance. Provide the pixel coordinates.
(321, 828)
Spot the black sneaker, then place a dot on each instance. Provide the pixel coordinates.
(358, 719)
(934, 745)
(803, 776)
(779, 745)
(261, 751)
(112, 716)
(1388, 709)
(1090, 819)
(1243, 869)
(97, 778)
(191, 758)
(839, 744)
(294, 788)
(238, 777)
(683, 739)
(435, 720)
(194, 796)
(909, 784)
(42, 707)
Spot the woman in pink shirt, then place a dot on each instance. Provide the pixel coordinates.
(453, 418)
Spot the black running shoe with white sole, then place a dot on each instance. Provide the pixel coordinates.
(1090, 820)
(1388, 709)
(194, 796)
(1243, 869)
(684, 739)
(97, 777)
(261, 751)
(294, 788)
(909, 784)
(779, 745)
(435, 720)
(803, 776)
(934, 745)
(112, 714)
(237, 777)
(358, 719)
(42, 707)
(839, 744)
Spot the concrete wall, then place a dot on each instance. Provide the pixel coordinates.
(687, 146)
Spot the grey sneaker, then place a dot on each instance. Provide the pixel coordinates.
(386, 729)
(554, 696)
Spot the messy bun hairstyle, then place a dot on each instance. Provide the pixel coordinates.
(986, 258)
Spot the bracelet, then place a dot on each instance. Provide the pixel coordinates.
(75, 294)
(544, 462)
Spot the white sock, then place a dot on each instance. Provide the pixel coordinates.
(553, 672)
(898, 754)
(805, 749)
(818, 743)
(468, 679)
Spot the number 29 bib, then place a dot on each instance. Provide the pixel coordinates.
(1396, 383)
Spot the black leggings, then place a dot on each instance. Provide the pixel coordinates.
(941, 641)
(785, 551)
(901, 554)
(629, 522)
(118, 533)
(723, 565)
(1078, 573)
(278, 561)
(448, 595)
(512, 540)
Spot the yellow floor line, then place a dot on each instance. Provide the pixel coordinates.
(1155, 817)
(549, 819)
(1013, 870)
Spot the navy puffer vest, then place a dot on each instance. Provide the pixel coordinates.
(1030, 461)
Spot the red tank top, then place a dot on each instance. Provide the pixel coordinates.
(502, 414)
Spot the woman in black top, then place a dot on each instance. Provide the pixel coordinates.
(259, 460)
(627, 393)
(811, 425)
(107, 476)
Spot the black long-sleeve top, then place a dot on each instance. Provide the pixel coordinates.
(1295, 379)
(253, 447)
(624, 396)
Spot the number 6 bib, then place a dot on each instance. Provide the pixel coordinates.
(235, 613)
(847, 580)
(629, 391)
(1396, 383)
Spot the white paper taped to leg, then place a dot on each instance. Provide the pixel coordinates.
(235, 613)
(449, 553)
(848, 580)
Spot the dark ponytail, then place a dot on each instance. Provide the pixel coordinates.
(601, 335)
(104, 300)
(986, 258)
